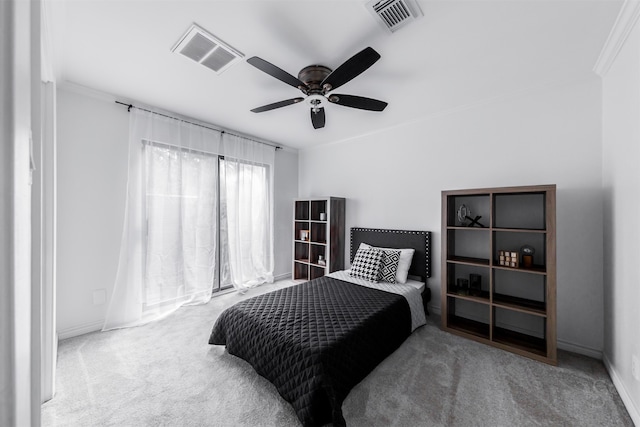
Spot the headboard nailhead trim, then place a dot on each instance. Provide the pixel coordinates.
(426, 234)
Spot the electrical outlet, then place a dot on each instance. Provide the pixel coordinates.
(635, 367)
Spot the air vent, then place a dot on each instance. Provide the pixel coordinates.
(394, 14)
(204, 48)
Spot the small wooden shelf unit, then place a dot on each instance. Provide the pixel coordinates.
(515, 307)
(318, 232)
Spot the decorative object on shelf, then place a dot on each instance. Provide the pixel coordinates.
(475, 284)
(321, 260)
(462, 286)
(304, 235)
(323, 216)
(474, 221)
(509, 258)
(463, 214)
(527, 256)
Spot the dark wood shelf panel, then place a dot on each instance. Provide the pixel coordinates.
(535, 269)
(520, 341)
(537, 308)
(483, 298)
(469, 326)
(463, 227)
(468, 261)
(519, 230)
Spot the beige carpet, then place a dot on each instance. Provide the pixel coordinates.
(165, 374)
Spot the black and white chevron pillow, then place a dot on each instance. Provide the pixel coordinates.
(389, 266)
(366, 264)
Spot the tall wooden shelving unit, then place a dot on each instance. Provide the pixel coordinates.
(323, 221)
(515, 307)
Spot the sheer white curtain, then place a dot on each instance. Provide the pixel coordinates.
(189, 188)
(168, 247)
(246, 228)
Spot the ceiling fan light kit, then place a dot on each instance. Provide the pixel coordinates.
(316, 81)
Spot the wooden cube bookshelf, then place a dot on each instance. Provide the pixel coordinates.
(318, 237)
(513, 306)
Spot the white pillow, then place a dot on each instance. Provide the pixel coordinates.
(406, 255)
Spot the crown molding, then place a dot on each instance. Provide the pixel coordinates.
(625, 22)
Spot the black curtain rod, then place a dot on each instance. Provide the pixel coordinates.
(130, 106)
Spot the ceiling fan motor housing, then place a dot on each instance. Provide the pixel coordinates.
(313, 76)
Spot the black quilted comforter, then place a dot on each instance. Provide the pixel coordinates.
(315, 341)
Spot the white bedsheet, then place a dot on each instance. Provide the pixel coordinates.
(412, 292)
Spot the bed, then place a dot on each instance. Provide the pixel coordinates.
(316, 340)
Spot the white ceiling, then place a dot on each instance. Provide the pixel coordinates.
(458, 54)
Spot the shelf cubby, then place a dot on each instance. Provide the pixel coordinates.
(319, 232)
(469, 317)
(468, 244)
(300, 270)
(474, 275)
(301, 210)
(301, 251)
(318, 207)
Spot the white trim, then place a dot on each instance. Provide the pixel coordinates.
(48, 165)
(629, 404)
(434, 309)
(580, 349)
(283, 276)
(625, 22)
(80, 330)
(46, 42)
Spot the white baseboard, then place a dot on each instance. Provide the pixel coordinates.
(580, 349)
(284, 276)
(622, 391)
(435, 309)
(96, 326)
(80, 330)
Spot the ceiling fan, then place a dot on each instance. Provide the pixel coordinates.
(317, 81)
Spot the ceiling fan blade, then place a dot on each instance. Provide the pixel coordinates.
(277, 105)
(357, 102)
(276, 72)
(318, 119)
(352, 68)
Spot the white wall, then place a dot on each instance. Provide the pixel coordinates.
(286, 185)
(92, 178)
(394, 179)
(621, 184)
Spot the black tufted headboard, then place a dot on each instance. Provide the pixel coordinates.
(399, 239)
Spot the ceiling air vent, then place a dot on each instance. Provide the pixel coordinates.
(394, 14)
(204, 48)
